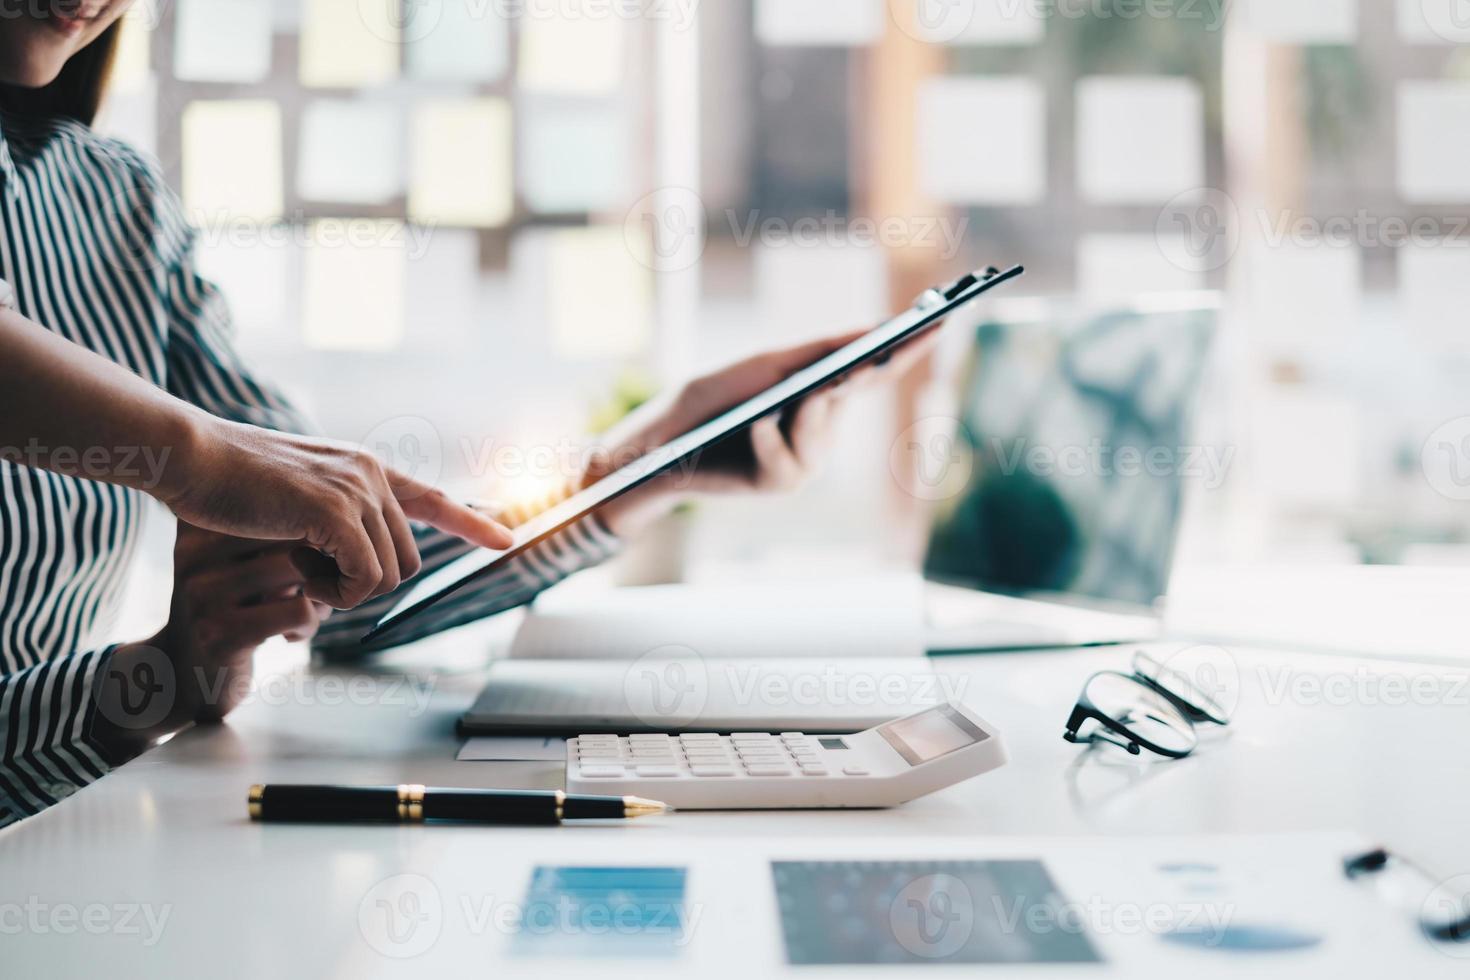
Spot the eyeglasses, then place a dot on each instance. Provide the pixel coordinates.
(1443, 912)
(1155, 707)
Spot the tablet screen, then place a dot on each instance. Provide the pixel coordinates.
(932, 307)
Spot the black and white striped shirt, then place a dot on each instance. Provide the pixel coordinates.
(94, 247)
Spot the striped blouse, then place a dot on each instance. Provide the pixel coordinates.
(94, 246)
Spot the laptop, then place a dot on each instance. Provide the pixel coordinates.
(1059, 490)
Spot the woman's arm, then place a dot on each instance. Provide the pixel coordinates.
(66, 409)
(72, 717)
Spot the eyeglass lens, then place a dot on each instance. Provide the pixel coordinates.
(1193, 682)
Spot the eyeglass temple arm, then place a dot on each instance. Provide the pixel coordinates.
(1080, 715)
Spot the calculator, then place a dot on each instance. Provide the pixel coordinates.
(882, 766)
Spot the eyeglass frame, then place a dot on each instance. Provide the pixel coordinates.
(1085, 710)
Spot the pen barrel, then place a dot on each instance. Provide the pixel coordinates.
(414, 804)
(494, 807)
(594, 808)
(331, 804)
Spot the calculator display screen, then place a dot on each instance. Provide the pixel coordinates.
(927, 736)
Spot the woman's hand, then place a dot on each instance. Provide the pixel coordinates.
(776, 454)
(230, 595)
(227, 477)
(335, 500)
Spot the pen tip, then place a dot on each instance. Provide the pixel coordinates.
(637, 806)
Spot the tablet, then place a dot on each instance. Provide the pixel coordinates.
(930, 308)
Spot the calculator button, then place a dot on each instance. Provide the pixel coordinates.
(768, 770)
(854, 771)
(714, 750)
(601, 772)
(647, 738)
(814, 770)
(712, 770)
(699, 737)
(657, 772)
(793, 734)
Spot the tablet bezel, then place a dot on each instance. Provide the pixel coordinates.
(934, 306)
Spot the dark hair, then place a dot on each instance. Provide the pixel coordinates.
(77, 91)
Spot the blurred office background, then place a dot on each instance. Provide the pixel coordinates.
(463, 230)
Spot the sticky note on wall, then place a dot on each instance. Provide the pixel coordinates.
(600, 293)
(557, 142)
(457, 40)
(566, 55)
(1007, 166)
(1434, 141)
(355, 274)
(232, 160)
(1434, 294)
(977, 22)
(1300, 21)
(820, 22)
(350, 152)
(348, 43)
(1433, 21)
(1140, 140)
(222, 40)
(461, 163)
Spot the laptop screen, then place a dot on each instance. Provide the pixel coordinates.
(1076, 439)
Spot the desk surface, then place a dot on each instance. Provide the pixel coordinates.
(1366, 751)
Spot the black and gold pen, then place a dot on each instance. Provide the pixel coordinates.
(415, 804)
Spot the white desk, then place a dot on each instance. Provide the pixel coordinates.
(170, 829)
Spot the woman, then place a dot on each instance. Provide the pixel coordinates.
(96, 251)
